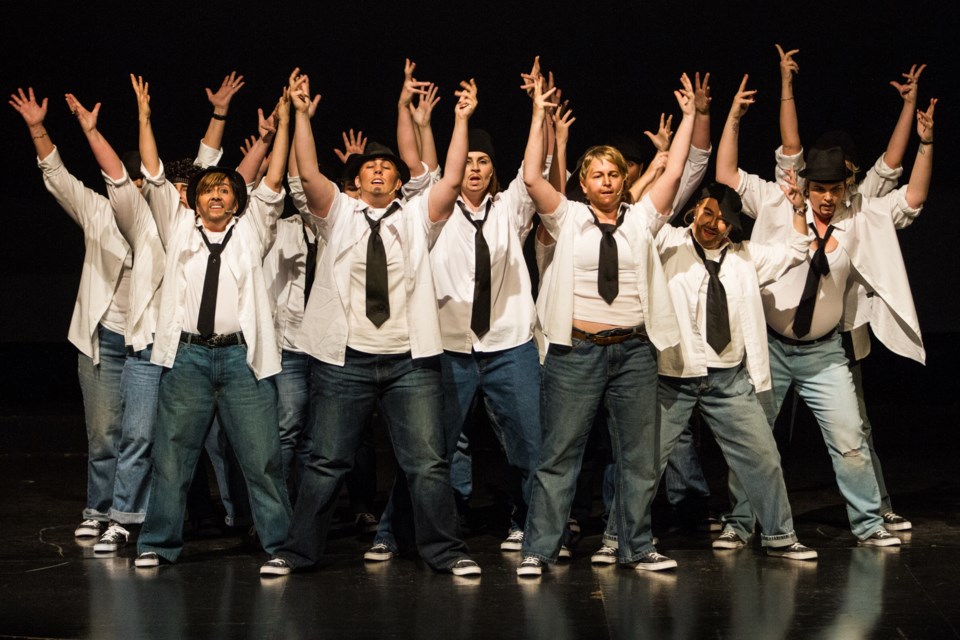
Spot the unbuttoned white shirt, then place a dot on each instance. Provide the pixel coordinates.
(867, 231)
(105, 251)
(512, 311)
(253, 235)
(746, 267)
(641, 224)
(135, 222)
(326, 327)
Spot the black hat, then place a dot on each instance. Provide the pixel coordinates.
(825, 165)
(131, 161)
(373, 151)
(730, 207)
(236, 181)
(628, 148)
(840, 139)
(480, 141)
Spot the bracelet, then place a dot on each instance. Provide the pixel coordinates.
(217, 116)
(921, 141)
(42, 135)
(786, 99)
(800, 211)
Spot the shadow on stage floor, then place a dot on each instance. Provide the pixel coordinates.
(52, 586)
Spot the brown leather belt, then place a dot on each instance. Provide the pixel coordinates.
(610, 336)
(214, 341)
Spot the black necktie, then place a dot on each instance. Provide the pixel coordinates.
(718, 318)
(608, 268)
(378, 289)
(480, 314)
(211, 281)
(819, 267)
(311, 266)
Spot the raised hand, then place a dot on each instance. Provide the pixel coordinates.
(87, 119)
(281, 112)
(791, 190)
(908, 88)
(925, 123)
(562, 119)
(267, 126)
(661, 140)
(788, 66)
(425, 104)
(701, 93)
(529, 78)
(685, 96)
(355, 143)
(142, 90)
(744, 98)
(467, 99)
(247, 145)
(33, 113)
(228, 88)
(411, 86)
(298, 89)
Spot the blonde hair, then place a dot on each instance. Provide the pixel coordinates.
(603, 152)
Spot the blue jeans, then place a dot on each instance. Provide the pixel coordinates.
(103, 413)
(576, 380)
(410, 396)
(461, 464)
(201, 382)
(293, 404)
(139, 386)
(821, 376)
(885, 504)
(730, 408)
(683, 478)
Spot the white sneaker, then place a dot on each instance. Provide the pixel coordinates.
(275, 567)
(513, 542)
(604, 555)
(653, 561)
(113, 538)
(564, 553)
(530, 567)
(880, 538)
(378, 553)
(465, 567)
(795, 551)
(147, 560)
(728, 540)
(89, 529)
(893, 522)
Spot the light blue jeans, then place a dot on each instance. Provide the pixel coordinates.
(103, 413)
(201, 382)
(139, 386)
(821, 376)
(576, 380)
(886, 506)
(730, 408)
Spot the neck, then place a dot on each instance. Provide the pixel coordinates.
(608, 214)
(378, 201)
(216, 227)
(473, 198)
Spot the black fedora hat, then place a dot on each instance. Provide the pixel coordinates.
(825, 165)
(373, 151)
(236, 181)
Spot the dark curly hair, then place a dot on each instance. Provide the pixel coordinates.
(182, 170)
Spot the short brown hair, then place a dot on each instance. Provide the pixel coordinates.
(603, 152)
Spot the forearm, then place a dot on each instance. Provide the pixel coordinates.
(41, 140)
(106, 157)
(249, 167)
(213, 137)
(428, 147)
(407, 141)
(789, 124)
(919, 186)
(701, 131)
(273, 179)
(149, 156)
(665, 189)
(897, 146)
(444, 193)
(728, 153)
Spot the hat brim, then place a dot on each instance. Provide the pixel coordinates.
(355, 161)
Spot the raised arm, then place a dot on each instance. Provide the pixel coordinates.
(406, 135)
(444, 194)
(149, 155)
(897, 146)
(33, 114)
(701, 102)
(728, 149)
(106, 157)
(355, 143)
(545, 197)
(319, 191)
(919, 185)
(795, 195)
(661, 140)
(255, 152)
(562, 119)
(273, 179)
(220, 101)
(421, 117)
(789, 126)
(665, 190)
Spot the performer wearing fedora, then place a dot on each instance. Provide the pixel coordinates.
(803, 309)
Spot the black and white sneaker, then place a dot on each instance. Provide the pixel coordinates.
(604, 555)
(147, 560)
(893, 522)
(513, 542)
(89, 529)
(112, 539)
(465, 567)
(564, 553)
(795, 551)
(275, 567)
(366, 523)
(653, 561)
(728, 540)
(880, 538)
(379, 553)
(530, 567)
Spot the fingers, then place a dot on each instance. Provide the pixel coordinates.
(743, 83)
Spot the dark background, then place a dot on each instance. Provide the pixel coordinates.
(616, 62)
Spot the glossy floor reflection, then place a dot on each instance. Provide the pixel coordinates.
(51, 586)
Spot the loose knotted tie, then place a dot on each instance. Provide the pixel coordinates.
(378, 290)
(311, 266)
(819, 267)
(480, 311)
(211, 282)
(718, 318)
(608, 264)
